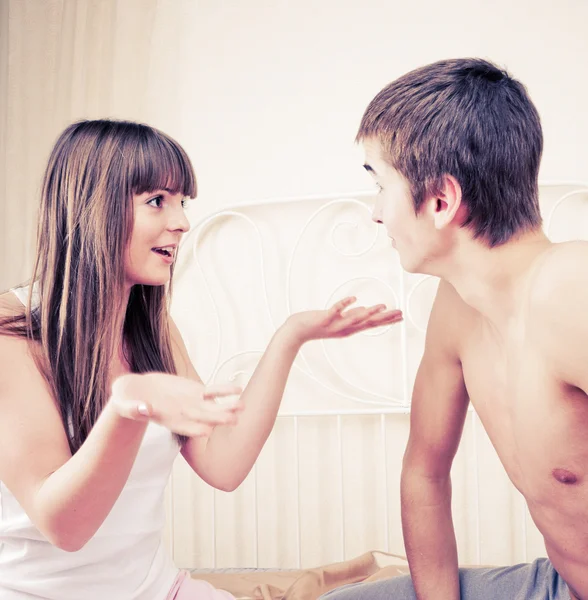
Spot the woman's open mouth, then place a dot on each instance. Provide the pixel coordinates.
(168, 253)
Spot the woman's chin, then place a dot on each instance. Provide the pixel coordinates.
(152, 279)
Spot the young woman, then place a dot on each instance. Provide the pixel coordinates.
(97, 393)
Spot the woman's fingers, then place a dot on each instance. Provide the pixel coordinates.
(144, 410)
(210, 412)
(195, 430)
(220, 390)
(373, 317)
(182, 405)
(385, 318)
(131, 409)
(361, 312)
(340, 306)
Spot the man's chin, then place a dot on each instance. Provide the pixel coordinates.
(411, 266)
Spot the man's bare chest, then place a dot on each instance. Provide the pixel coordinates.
(534, 422)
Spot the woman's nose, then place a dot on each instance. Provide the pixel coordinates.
(179, 221)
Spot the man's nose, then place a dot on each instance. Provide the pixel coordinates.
(376, 215)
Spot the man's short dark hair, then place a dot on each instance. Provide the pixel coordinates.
(470, 119)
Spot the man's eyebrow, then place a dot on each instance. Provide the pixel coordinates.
(369, 169)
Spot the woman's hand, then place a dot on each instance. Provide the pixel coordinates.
(182, 405)
(338, 322)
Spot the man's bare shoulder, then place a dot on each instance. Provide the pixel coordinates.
(561, 277)
(557, 308)
(450, 318)
(450, 306)
(448, 300)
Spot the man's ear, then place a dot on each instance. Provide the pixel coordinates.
(445, 203)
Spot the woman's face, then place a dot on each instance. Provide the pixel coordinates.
(159, 223)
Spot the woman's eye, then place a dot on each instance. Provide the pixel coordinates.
(184, 203)
(156, 202)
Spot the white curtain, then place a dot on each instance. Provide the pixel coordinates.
(64, 60)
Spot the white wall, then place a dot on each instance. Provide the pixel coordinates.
(278, 88)
(265, 95)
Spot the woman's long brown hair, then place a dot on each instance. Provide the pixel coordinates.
(85, 224)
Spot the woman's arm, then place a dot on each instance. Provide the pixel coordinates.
(68, 497)
(226, 457)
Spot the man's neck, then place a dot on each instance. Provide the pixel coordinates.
(490, 280)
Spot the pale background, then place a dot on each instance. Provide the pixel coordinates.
(265, 96)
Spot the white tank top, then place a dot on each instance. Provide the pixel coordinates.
(125, 560)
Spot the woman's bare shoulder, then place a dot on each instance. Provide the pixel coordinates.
(14, 350)
(10, 305)
(22, 377)
(33, 442)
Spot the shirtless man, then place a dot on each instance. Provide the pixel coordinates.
(455, 149)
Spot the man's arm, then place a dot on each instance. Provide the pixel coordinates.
(438, 412)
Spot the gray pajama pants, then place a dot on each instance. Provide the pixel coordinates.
(535, 581)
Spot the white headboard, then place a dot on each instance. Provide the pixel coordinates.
(252, 265)
(326, 485)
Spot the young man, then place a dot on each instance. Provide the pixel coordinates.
(455, 149)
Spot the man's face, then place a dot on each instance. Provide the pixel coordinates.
(412, 235)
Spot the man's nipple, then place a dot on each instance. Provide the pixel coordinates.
(564, 476)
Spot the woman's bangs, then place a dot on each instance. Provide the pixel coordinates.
(160, 164)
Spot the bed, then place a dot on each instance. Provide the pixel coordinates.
(325, 488)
